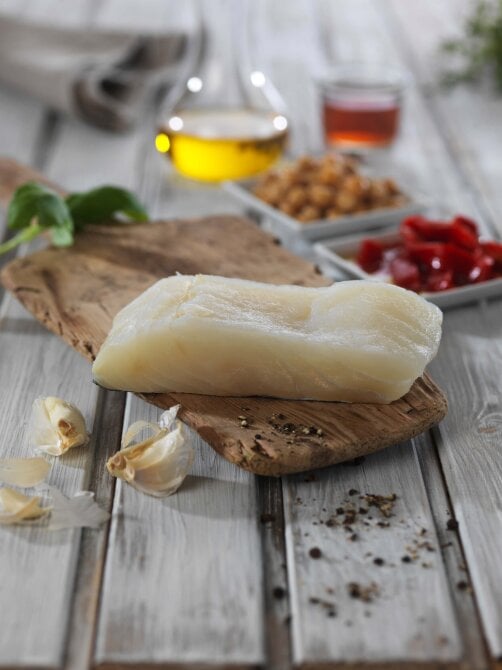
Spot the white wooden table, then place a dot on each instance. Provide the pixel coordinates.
(221, 573)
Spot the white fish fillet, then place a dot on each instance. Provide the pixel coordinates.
(355, 341)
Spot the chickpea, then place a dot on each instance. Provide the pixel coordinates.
(290, 178)
(320, 195)
(379, 192)
(399, 201)
(271, 194)
(355, 185)
(327, 187)
(296, 197)
(287, 208)
(392, 187)
(346, 202)
(332, 213)
(330, 175)
(308, 213)
(306, 163)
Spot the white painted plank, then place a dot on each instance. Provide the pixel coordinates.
(86, 587)
(469, 115)
(277, 615)
(410, 618)
(183, 578)
(84, 157)
(451, 548)
(38, 565)
(357, 30)
(469, 369)
(469, 362)
(21, 120)
(38, 363)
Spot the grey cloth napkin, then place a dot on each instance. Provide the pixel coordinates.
(98, 75)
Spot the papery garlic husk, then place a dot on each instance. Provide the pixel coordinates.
(56, 426)
(78, 511)
(15, 507)
(158, 465)
(23, 471)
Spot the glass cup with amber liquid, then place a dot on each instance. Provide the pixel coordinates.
(361, 106)
(226, 120)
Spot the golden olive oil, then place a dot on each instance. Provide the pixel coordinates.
(218, 144)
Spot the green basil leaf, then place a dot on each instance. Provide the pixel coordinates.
(53, 214)
(23, 206)
(100, 204)
(62, 237)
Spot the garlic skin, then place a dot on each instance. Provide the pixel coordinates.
(158, 465)
(56, 426)
(18, 508)
(23, 472)
(78, 511)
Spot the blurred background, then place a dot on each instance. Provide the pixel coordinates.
(110, 72)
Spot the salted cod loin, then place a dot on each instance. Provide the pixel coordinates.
(354, 341)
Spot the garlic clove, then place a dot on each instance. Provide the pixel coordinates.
(56, 426)
(158, 465)
(23, 472)
(15, 507)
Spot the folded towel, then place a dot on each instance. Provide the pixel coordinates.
(100, 75)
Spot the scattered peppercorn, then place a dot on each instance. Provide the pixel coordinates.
(378, 561)
(452, 524)
(279, 592)
(315, 552)
(267, 517)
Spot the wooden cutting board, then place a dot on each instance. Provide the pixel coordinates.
(76, 292)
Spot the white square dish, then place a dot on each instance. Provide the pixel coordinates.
(338, 252)
(316, 230)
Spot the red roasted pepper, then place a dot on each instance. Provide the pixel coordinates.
(370, 255)
(434, 255)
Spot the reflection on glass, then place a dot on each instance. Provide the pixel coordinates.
(227, 121)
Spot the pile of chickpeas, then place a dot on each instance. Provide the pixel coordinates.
(325, 188)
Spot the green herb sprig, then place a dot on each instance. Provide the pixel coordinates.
(480, 48)
(35, 209)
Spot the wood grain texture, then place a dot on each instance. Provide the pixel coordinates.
(471, 364)
(91, 556)
(83, 157)
(76, 292)
(183, 578)
(468, 116)
(468, 119)
(406, 619)
(52, 590)
(38, 566)
(469, 624)
(446, 146)
(277, 611)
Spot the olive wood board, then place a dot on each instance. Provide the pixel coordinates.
(75, 292)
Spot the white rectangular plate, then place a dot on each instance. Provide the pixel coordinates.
(339, 251)
(316, 230)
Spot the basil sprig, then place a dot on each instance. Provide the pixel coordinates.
(35, 208)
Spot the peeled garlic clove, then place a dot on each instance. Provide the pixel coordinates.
(16, 507)
(23, 471)
(158, 465)
(57, 425)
